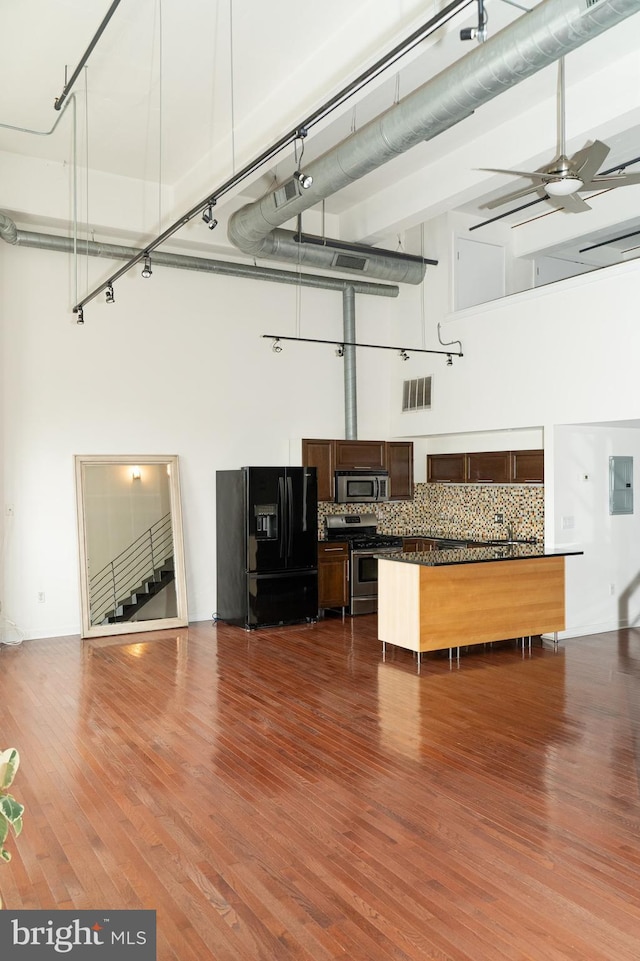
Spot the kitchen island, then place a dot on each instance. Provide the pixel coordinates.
(433, 600)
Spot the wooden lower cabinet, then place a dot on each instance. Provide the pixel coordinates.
(333, 574)
(412, 544)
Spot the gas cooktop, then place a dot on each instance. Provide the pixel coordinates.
(360, 530)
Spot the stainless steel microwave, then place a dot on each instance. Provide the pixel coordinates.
(361, 487)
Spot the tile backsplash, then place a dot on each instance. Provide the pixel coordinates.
(456, 510)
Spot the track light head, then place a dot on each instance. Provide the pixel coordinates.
(403, 354)
(276, 348)
(79, 316)
(303, 179)
(207, 216)
(146, 270)
(109, 294)
(340, 350)
(449, 360)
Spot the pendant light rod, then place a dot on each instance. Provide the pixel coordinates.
(76, 73)
(298, 133)
(343, 343)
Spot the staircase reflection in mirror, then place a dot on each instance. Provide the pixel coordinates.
(132, 574)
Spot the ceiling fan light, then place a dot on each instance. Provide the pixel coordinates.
(564, 187)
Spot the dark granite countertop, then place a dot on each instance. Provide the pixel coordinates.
(478, 554)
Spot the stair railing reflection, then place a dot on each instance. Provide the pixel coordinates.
(129, 571)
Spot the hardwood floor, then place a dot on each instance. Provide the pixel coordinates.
(286, 794)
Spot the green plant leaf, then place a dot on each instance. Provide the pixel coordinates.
(5, 855)
(4, 829)
(10, 808)
(9, 761)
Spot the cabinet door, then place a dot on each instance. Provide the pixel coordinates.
(411, 544)
(492, 467)
(353, 454)
(333, 574)
(527, 466)
(321, 455)
(446, 468)
(400, 467)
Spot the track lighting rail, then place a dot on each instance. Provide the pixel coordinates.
(76, 73)
(404, 352)
(298, 133)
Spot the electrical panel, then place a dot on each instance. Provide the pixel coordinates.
(621, 485)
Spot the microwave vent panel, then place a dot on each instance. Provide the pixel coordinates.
(416, 394)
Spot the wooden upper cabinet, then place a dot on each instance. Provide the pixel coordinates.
(527, 466)
(356, 454)
(492, 467)
(400, 467)
(328, 456)
(446, 468)
(488, 467)
(321, 455)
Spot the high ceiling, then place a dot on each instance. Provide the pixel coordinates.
(179, 95)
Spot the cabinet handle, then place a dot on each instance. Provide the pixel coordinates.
(332, 550)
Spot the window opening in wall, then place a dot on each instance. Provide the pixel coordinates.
(416, 394)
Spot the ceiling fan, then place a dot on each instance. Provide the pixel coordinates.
(561, 181)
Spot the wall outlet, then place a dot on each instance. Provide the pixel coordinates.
(612, 589)
(499, 518)
(568, 522)
(41, 597)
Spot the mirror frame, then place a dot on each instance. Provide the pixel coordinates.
(131, 627)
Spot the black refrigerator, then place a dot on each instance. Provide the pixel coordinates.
(267, 545)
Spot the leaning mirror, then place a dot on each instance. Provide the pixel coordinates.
(130, 544)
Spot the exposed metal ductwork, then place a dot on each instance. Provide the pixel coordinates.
(535, 40)
(26, 238)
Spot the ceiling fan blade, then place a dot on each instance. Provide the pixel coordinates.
(540, 175)
(515, 195)
(586, 162)
(612, 180)
(572, 203)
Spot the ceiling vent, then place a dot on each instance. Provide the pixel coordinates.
(349, 262)
(288, 192)
(416, 394)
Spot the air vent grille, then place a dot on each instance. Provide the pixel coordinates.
(416, 394)
(285, 194)
(348, 262)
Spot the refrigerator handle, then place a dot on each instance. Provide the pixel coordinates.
(290, 516)
(281, 517)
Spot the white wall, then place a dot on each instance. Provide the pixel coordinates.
(561, 354)
(176, 366)
(604, 584)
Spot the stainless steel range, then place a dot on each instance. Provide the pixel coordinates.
(361, 533)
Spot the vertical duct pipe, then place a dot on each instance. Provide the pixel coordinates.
(350, 386)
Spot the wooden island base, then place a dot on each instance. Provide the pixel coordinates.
(425, 608)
